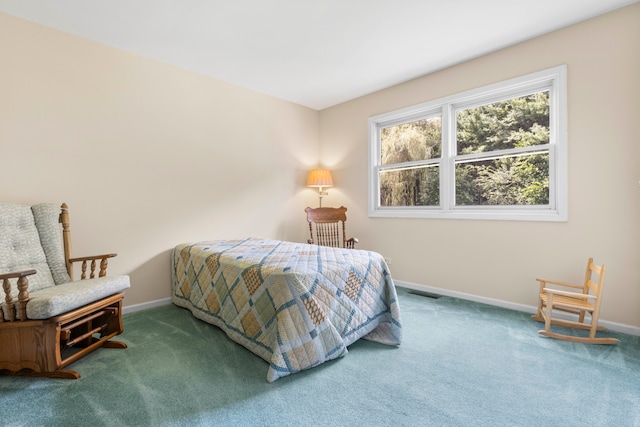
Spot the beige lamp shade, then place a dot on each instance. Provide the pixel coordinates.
(320, 178)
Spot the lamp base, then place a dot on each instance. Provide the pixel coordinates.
(320, 194)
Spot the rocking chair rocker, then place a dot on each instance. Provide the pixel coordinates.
(49, 321)
(587, 301)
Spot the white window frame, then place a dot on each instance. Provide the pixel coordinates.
(554, 80)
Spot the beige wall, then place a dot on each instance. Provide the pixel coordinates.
(500, 260)
(146, 155)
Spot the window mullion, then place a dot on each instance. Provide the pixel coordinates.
(447, 178)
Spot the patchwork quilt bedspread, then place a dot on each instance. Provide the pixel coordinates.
(295, 305)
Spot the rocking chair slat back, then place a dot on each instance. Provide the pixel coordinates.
(329, 226)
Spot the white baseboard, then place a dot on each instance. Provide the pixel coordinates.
(146, 305)
(618, 327)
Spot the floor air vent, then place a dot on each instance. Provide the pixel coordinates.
(425, 294)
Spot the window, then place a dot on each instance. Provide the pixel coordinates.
(497, 152)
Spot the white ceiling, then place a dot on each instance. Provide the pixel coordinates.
(316, 53)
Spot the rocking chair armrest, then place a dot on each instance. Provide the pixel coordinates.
(92, 258)
(17, 274)
(555, 282)
(23, 294)
(351, 243)
(568, 294)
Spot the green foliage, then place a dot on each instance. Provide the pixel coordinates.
(409, 142)
(507, 181)
(515, 180)
(419, 140)
(517, 122)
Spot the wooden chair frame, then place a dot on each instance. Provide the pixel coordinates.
(32, 347)
(586, 301)
(330, 227)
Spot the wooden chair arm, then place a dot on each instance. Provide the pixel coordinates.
(568, 294)
(310, 241)
(17, 274)
(93, 259)
(555, 282)
(23, 294)
(351, 243)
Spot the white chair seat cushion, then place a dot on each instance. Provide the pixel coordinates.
(56, 300)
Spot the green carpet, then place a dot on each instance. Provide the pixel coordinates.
(460, 364)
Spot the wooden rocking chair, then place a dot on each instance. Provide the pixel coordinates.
(329, 224)
(49, 321)
(587, 301)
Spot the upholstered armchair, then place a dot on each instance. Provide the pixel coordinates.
(47, 319)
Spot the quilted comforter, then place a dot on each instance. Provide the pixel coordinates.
(295, 305)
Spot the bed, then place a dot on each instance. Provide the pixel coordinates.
(295, 305)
